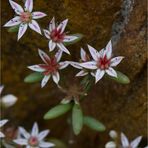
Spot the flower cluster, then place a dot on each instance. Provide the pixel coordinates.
(100, 63)
(97, 64)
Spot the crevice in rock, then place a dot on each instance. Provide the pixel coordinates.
(120, 24)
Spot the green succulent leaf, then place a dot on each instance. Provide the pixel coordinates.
(34, 77)
(77, 119)
(93, 124)
(13, 29)
(121, 78)
(58, 111)
(80, 36)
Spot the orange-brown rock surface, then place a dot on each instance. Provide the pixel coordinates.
(119, 107)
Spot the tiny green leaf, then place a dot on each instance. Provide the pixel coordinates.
(121, 78)
(34, 77)
(93, 124)
(13, 29)
(80, 36)
(77, 119)
(57, 111)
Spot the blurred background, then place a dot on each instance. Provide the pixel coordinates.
(119, 107)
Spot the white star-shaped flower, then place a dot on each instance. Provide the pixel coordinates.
(25, 17)
(2, 123)
(102, 62)
(35, 139)
(126, 144)
(51, 67)
(57, 37)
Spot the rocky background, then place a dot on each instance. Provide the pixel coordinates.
(119, 107)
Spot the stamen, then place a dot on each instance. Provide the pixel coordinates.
(103, 63)
(33, 141)
(51, 67)
(57, 36)
(26, 17)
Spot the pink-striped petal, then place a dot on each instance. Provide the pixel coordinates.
(29, 5)
(44, 56)
(110, 71)
(63, 48)
(43, 134)
(46, 33)
(135, 143)
(35, 130)
(24, 132)
(34, 26)
(21, 141)
(75, 64)
(37, 15)
(45, 80)
(22, 30)
(2, 135)
(17, 8)
(62, 25)
(93, 52)
(89, 65)
(115, 61)
(58, 55)
(124, 140)
(36, 68)
(108, 50)
(69, 38)
(81, 73)
(52, 24)
(56, 77)
(101, 53)
(3, 122)
(43, 144)
(63, 64)
(51, 45)
(83, 55)
(99, 75)
(13, 22)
